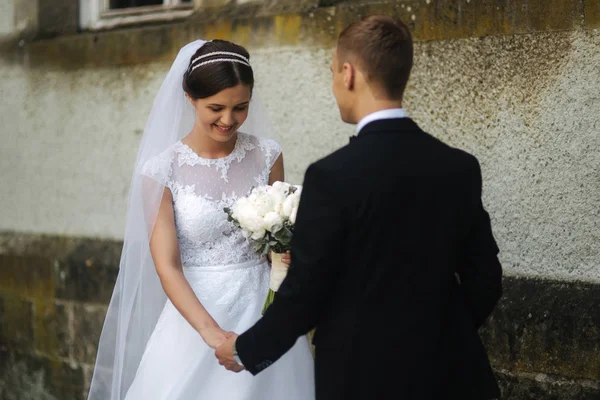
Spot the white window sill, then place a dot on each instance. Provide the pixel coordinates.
(121, 18)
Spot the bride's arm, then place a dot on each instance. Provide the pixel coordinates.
(165, 253)
(277, 173)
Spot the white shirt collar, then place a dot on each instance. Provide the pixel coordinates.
(382, 114)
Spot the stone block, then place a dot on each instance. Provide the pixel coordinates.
(25, 377)
(64, 380)
(16, 329)
(541, 386)
(270, 6)
(44, 267)
(53, 328)
(546, 327)
(88, 272)
(591, 13)
(88, 373)
(26, 275)
(88, 321)
(216, 3)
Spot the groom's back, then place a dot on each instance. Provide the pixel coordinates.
(409, 204)
(386, 227)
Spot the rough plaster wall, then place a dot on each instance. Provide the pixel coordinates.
(296, 87)
(18, 18)
(6, 17)
(69, 146)
(526, 106)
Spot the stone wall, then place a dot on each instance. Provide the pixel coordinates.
(53, 297)
(543, 339)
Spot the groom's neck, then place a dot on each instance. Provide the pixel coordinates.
(368, 106)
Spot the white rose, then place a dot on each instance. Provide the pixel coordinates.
(293, 215)
(263, 204)
(238, 210)
(296, 196)
(287, 207)
(278, 201)
(281, 187)
(290, 204)
(278, 193)
(272, 222)
(257, 235)
(246, 215)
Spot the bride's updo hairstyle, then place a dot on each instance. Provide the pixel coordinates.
(216, 66)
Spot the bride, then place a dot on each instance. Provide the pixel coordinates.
(187, 276)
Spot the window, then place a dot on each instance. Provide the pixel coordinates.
(117, 4)
(105, 14)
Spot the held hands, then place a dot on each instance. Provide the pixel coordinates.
(224, 354)
(214, 336)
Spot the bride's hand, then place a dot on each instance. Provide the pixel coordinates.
(214, 336)
(287, 258)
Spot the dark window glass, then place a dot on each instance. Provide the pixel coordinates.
(115, 4)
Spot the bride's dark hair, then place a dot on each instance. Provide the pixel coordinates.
(202, 81)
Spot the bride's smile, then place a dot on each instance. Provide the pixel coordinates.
(224, 129)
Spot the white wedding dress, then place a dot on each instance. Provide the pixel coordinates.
(229, 279)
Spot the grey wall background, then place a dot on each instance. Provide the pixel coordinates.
(525, 104)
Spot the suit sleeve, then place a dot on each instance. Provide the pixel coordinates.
(316, 249)
(480, 273)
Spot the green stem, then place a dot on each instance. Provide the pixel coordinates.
(268, 301)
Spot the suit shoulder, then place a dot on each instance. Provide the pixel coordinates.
(333, 162)
(469, 161)
(462, 158)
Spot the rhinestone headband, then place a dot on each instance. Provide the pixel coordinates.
(219, 60)
(220, 53)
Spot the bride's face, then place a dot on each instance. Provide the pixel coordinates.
(221, 115)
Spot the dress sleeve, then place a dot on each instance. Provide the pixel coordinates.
(160, 168)
(271, 150)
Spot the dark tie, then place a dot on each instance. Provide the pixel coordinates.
(352, 138)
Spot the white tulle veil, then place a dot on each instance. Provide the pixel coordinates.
(138, 297)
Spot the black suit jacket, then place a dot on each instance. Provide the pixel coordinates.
(387, 228)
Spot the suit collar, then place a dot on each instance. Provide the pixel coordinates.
(389, 125)
(389, 113)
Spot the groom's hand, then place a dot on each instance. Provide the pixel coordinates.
(224, 354)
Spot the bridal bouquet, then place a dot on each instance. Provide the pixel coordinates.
(266, 218)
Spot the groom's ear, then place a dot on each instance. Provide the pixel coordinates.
(349, 75)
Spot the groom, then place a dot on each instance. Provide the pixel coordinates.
(393, 258)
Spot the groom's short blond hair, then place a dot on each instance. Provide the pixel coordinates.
(382, 48)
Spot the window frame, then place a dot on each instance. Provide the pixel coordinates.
(97, 15)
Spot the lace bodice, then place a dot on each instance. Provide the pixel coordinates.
(202, 187)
